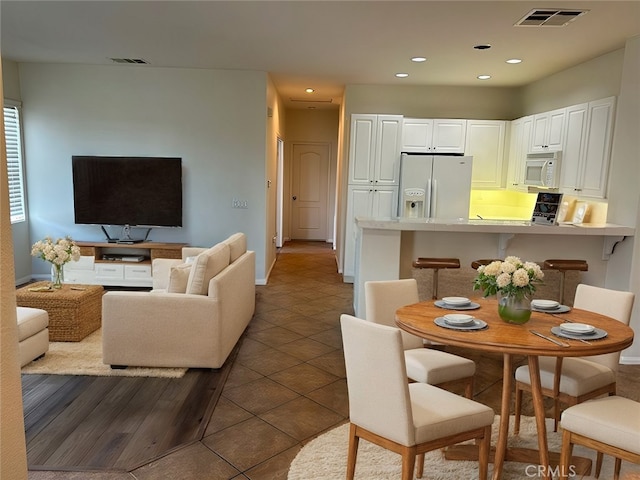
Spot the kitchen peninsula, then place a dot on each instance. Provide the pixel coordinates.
(386, 247)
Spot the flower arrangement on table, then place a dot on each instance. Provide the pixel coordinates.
(513, 279)
(62, 251)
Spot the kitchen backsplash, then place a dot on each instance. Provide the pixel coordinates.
(511, 205)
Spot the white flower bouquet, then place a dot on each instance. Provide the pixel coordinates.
(509, 277)
(58, 253)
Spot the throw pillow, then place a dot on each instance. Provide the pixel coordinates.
(206, 266)
(178, 277)
(237, 245)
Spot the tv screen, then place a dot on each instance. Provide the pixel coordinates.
(136, 191)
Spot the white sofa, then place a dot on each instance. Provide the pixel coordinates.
(195, 314)
(33, 333)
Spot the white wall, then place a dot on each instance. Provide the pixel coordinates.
(213, 119)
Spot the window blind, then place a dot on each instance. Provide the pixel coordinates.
(14, 163)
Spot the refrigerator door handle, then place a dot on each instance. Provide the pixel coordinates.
(434, 197)
(428, 198)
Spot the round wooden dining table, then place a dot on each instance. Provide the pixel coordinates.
(511, 340)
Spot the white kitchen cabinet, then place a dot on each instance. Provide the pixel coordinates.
(363, 201)
(586, 153)
(548, 131)
(518, 148)
(427, 135)
(486, 144)
(374, 149)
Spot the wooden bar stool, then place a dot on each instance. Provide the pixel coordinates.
(436, 264)
(563, 266)
(483, 261)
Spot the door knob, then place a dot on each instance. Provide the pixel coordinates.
(295, 197)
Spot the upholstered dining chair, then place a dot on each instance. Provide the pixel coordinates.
(609, 425)
(575, 379)
(406, 418)
(424, 365)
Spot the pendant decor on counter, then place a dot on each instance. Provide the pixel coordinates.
(514, 308)
(512, 280)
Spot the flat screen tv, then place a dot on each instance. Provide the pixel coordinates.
(127, 191)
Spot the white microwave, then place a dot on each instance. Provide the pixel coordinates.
(542, 169)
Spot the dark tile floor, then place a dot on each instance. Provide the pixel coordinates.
(288, 383)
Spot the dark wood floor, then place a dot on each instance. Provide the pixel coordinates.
(114, 423)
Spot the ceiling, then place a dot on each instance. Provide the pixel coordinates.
(323, 45)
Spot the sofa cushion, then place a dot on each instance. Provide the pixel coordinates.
(237, 245)
(178, 278)
(206, 266)
(31, 321)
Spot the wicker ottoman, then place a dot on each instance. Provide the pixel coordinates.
(74, 311)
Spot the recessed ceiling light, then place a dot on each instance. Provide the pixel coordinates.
(418, 59)
(309, 90)
(485, 46)
(484, 77)
(514, 60)
(402, 75)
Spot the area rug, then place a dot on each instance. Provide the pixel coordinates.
(85, 358)
(325, 458)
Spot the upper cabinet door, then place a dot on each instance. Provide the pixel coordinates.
(548, 131)
(417, 135)
(573, 151)
(386, 170)
(427, 135)
(520, 139)
(449, 136)
(362, 148)
(485, 142)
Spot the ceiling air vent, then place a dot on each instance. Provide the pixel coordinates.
(549, 18)
(138, 61)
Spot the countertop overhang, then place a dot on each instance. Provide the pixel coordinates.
(491, 226)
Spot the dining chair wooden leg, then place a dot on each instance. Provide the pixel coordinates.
(599, 458)
(565, 454)
(420, 467)
(468, 389)
(353, 451)
(408, 462)
(518, 411)
(616, 469)
(484, 447)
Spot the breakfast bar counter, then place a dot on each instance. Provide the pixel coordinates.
(386, 247)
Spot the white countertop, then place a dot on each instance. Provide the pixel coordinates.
(491, 226)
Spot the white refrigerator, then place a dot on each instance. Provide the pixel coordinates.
(435, 186)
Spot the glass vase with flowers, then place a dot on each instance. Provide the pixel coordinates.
(58, 253)
(513, 281)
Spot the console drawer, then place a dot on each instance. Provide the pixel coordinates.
(137, 271)
(109, 271)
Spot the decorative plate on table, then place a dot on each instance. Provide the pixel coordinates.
(597, 334)
(469, 306)
(476, 325)
(558, 309)
(544, 304)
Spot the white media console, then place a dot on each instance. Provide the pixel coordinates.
(118, 264)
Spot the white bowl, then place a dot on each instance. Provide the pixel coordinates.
(458, 319)
(577, 328)
(545, 304)
(456, 301)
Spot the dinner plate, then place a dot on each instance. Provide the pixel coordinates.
(545, 304)
(471, 306)
(558, 309)
(459, 319)
(577, 328)
(476, 325)
(456, 301)
(596, 335)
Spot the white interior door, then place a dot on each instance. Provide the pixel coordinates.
(309, 185)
